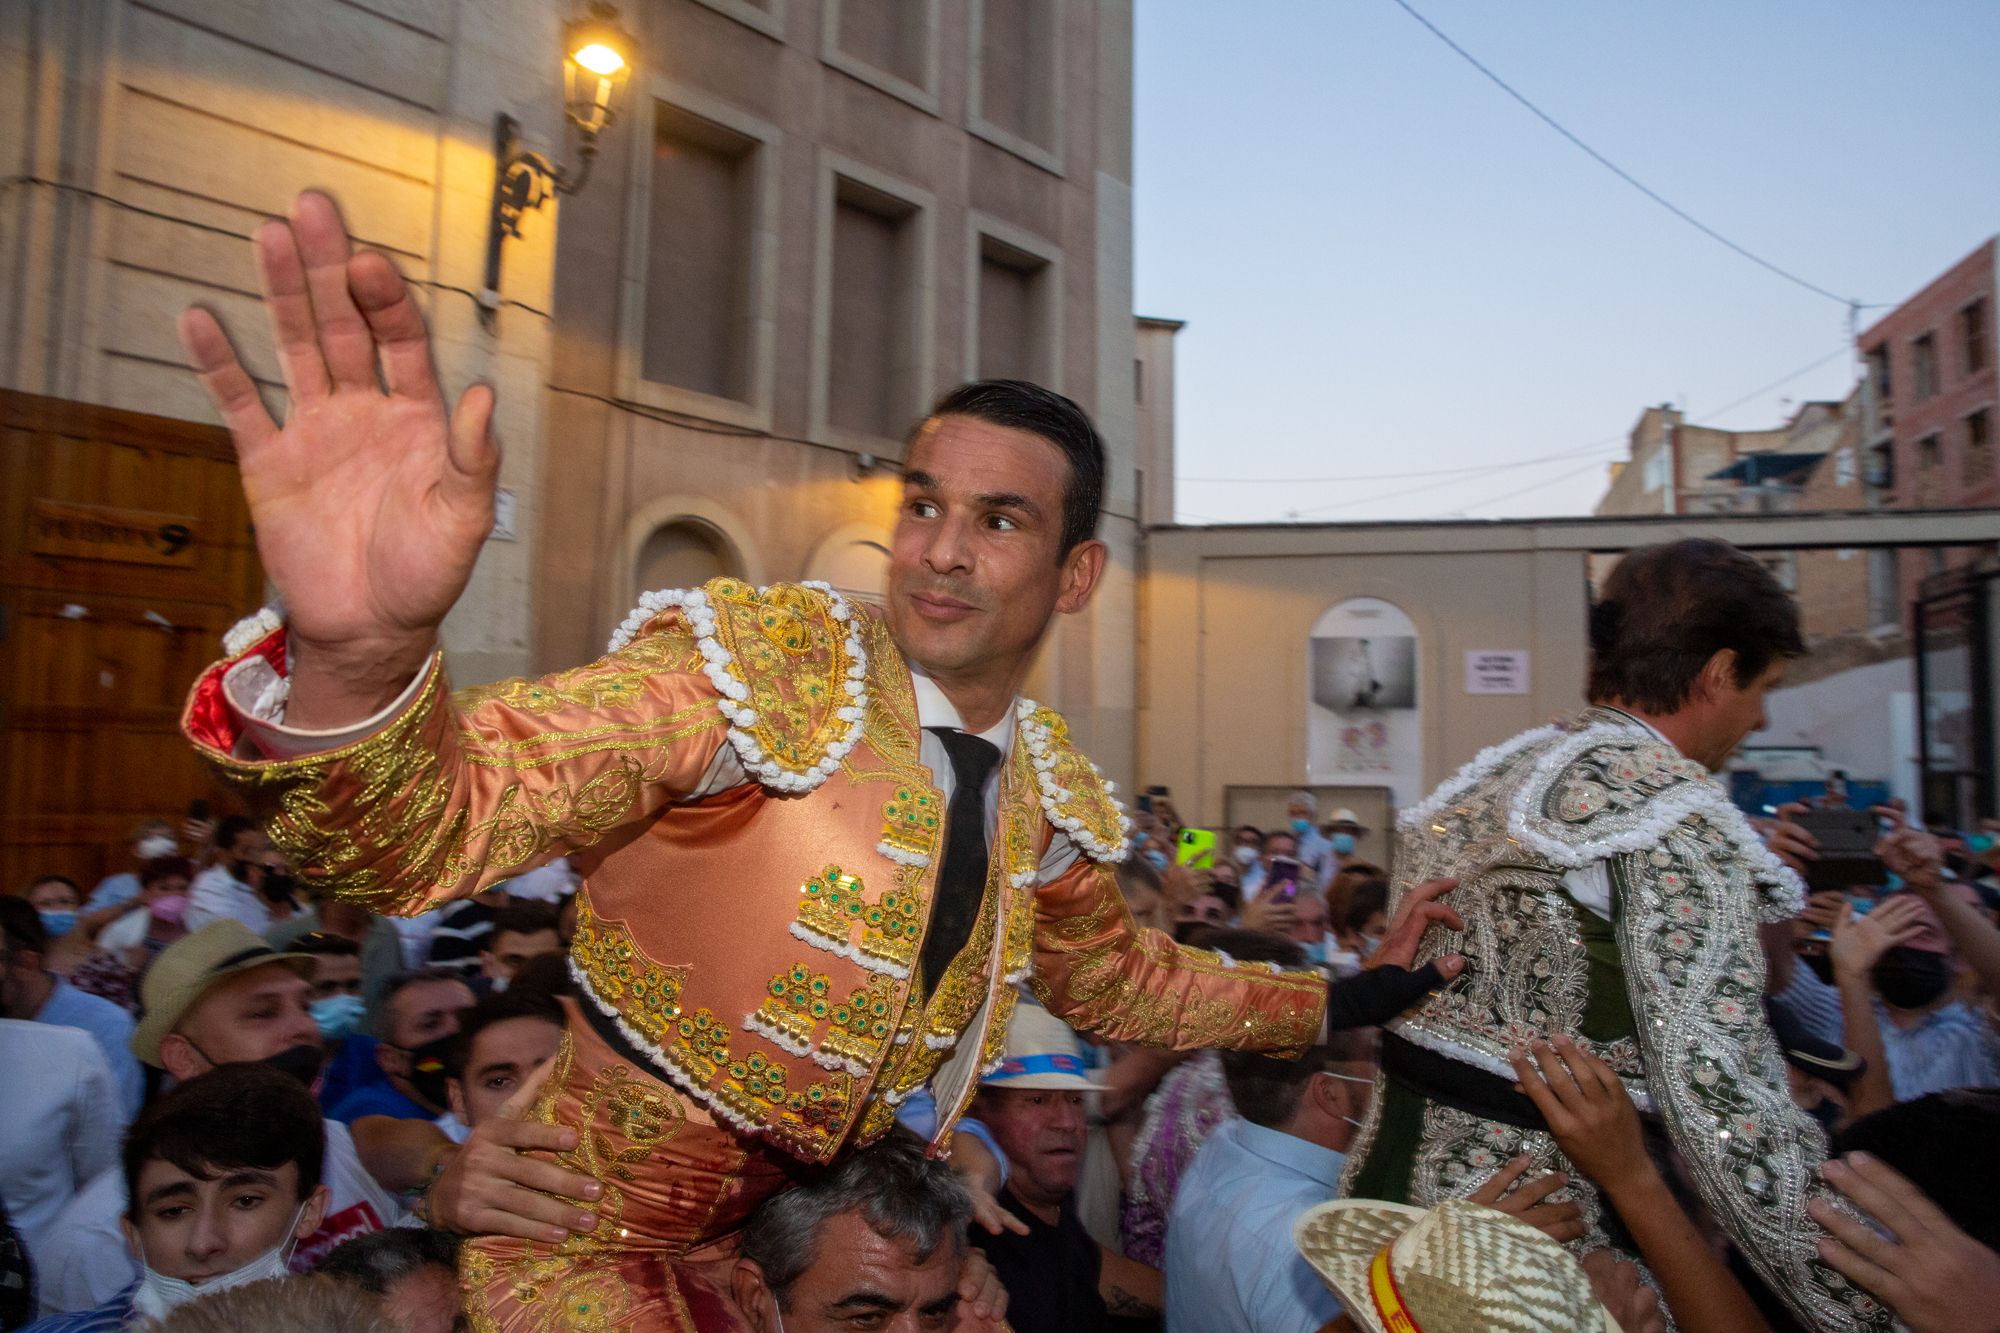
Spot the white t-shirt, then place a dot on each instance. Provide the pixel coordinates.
(87, 1262)
(216, 894)
(127, 932)
(60, 1118)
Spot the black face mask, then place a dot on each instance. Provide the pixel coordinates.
(1827, 1112)
(277, 886)
(302, 1062)
(1909, 978)
(427, 1076)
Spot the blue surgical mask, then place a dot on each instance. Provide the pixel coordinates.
(58, 923)
(1369, 944)
(338, 1016)
(1302, 826)
(1343, 844)
(1157, 859)
(1246, 856)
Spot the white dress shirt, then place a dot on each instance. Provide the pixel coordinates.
(62, 1117)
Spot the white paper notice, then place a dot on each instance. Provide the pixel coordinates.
(1494, 672)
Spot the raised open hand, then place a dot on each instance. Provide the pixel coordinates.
(370, 502)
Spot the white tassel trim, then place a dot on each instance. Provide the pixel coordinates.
(718, 663)
(1784, 891)
(662, 1060)
(1037, 738)
(783, 1040)
(253, 629)
(901, 856)
(1463, 781)
(850, 952)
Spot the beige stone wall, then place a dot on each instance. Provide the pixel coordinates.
(206, 116)
(1228, 614)
(985, 143)
(910, 227)
(1153, 391)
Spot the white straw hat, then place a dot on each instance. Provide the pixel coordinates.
(1457, 1268)
(1041, 1054)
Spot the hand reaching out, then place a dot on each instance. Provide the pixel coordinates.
(1615, 1282)
(1789, 841)
(1417, 913)
(1860, 941)
(1927, 1270)
(490, 1186)
(371, 502)
(1589, 1113)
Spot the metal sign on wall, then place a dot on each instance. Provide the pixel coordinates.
(69, 531)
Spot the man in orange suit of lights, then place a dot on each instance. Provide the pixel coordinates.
(822, 844)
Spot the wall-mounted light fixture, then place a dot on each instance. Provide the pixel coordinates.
(597, 59)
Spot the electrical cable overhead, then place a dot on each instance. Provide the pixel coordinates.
(1454, 476)
(1626, 176)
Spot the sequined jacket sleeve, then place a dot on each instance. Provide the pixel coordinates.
(1096, 969)
(1686, 915)
(455, 793)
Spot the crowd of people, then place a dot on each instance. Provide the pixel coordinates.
(876, 1009)
(217, 1082)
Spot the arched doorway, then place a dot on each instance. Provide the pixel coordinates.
(855, 561)
(684, 553)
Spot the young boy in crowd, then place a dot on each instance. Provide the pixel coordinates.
(222, 1182)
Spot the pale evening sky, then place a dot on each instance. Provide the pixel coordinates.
(1388, 266)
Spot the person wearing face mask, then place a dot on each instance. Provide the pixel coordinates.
(1230, 1263)
(1313, 847)
(1248, 846)
(1344, 832)
(1358, 930)
(414, 1026)
(29, 991)
(340, 1013)
(219, 997)
(1932, 1040)
(221, 1180)
(232, 885)
(150, 841)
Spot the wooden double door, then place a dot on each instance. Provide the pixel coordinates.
(125, 552)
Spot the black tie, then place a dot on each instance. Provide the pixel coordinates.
(961, 882)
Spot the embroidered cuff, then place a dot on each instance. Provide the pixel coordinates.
(256, 694)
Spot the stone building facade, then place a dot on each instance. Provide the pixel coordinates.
(809, 219)
(813, 219)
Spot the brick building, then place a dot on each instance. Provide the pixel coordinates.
(1927, 406)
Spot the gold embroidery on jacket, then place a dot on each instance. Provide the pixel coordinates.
(405, 793)
(801, 1001)
(749, 1088)
(834, 902)
(793, 656)
(556, 1289)
(1103, 962)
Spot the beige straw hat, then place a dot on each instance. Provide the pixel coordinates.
(1457, 1268)
(185, 970)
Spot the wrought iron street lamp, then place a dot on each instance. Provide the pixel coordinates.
(597, 59)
